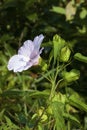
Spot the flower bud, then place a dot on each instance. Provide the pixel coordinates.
(71, 76)
(43, 64)
(65, 54)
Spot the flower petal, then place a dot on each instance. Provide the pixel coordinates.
(17, 63)
(35, 61)
(26, 49)
(28, 65)
(32, 62)
(37, 41)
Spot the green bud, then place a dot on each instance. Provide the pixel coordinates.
(58, 43)
(65, 54)
(43, 64)
(73, 75)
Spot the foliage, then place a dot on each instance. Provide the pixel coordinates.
(52, 95)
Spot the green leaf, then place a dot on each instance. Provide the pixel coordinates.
(80, 57)
(10, 3)
(40, 127)
(58, 109)
(6, 37)
(76, 101)
(10, 125)
(21, 93)
(50, 29)
(32, 17)
(83, 13)
(59, 10)
(1, 114)
(71, 117)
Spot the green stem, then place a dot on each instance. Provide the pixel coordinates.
(25, 109)
(54, 77)
(24, 101)
(68, 124)
(52, 90)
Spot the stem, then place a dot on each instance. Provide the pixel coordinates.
(52, 90)
(58, 83)
(54, 77)
(25, 109)
(24, 101)
(68, 124)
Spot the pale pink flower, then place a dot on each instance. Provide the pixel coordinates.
(28, 55)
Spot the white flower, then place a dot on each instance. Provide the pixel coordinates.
(28, 55)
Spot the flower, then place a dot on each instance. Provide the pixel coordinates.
(28, 55)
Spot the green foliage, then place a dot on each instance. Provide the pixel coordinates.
(58, 10)
(58, 109)
(53, 94)
(8, 125)
(76, 101)
(71, 76)
(80, 57)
